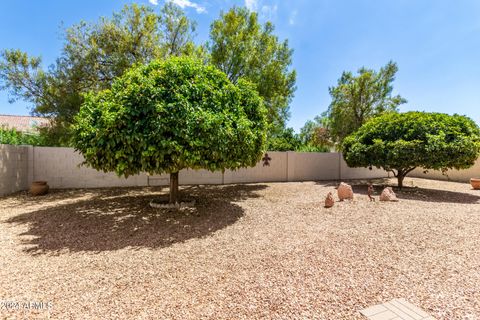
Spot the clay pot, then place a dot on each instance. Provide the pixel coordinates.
(39, 188)
(475, 182)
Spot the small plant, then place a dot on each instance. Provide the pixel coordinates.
(14, 137)
(313, 148)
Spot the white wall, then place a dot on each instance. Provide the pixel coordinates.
(275, 172)
(61, 168)
(13, 168)
(453, 175)
(360, 173)
(313, 166)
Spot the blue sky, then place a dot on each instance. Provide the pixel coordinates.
(436, 44)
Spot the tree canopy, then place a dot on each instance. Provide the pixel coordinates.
(170, 115)
(177, 31)
(285, 140)
(315, 136)
(356, 99)
(243, 48)
(93, 55)
(401, 142)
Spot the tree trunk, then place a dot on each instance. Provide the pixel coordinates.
(173, 187)
(400, 177)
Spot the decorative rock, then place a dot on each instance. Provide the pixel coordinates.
(344, 191)
(388, 195)
(329, 201)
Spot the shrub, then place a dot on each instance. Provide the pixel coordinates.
(401, 142)
(12, 136)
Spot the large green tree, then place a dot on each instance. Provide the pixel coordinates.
(171, 115)
(357, 98)
(177, 31)
(401, 142)
(93, 55)
(241, 47)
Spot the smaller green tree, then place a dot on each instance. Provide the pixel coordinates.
(401, 142)
(171, 115)
(357, 98)
(315, 136)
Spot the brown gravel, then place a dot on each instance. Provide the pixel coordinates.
(259, 251)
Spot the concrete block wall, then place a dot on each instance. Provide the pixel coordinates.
(313, 166)
(187, 177)
(13, 168)
(61, 168)
(359, 173)
(276, 171)
(452, 175)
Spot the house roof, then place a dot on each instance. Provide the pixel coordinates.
(23, 123)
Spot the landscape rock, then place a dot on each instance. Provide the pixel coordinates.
(388, 195)
(344, 191)
(329, 201)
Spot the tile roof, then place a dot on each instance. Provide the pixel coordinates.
(23, 123)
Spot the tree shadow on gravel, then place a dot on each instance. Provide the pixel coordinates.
(114, 219)
(361, 182)
(353, 183)
(421, 194)
(24, 198)
(408, 193)
(436, 195)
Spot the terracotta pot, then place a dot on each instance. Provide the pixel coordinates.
(475, 182)
(39, 188)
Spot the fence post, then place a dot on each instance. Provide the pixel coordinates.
(30, 164)
(291, 165)
(339, 166)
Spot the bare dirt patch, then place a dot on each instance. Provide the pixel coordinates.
(245, 252)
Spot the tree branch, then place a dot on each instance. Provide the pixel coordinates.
(409, 170)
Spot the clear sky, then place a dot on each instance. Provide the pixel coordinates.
(436, 43)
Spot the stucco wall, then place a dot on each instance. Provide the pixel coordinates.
(20, 165)
(359, 173)
(312, 166)
(13, 168)
(275, 172)
(453, 175)
(61, 168)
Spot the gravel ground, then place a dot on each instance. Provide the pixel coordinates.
(258, 251)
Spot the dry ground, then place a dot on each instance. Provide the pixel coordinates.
(254, 251)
